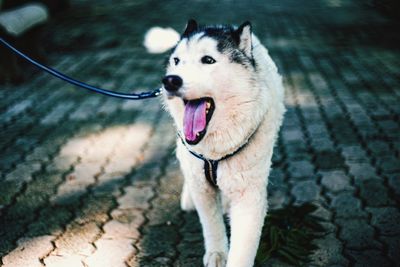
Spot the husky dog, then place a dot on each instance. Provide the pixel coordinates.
(226, 98)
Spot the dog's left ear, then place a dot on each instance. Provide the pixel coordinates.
(243, 37)
(191, 27)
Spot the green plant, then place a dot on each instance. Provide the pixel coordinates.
(288, 234)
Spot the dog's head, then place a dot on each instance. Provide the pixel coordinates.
(210, 84)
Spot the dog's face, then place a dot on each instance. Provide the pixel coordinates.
(210, 82)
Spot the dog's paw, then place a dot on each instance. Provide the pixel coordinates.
(214, 259)
(186, 201)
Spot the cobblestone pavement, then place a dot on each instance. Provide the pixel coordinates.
(92, 181)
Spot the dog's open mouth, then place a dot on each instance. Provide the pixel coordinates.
(198, 113)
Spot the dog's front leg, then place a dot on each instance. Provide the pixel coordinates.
(247, 215)
(209, 209)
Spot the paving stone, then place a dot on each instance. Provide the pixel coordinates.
(9, 190)
(162, 260)
(394, 183)
(122, 166)
(84, 173)
(322, 211)
(393, 244)
(374, 193)
(329, 160)
(362, 171)
(317, 129)
(61, 164)
(44, 184)
(29, 251)
(344, 135)
(159, 240)
(322, 145)
(83, 112)
(354, 154)
(77, 240)
(297, 151)
(166, 210)
(146, 175)
(277, 158)
(347, 206)
(8, 160)
(95, 209)
(389, 125)
(23, 172)
(39, 154)
(10, 232)
(389, 164)
(110, 187)
(75, 147)
(336, 181)
(64, 261)
(152, 262)
(16, 109)
(111, 252)
(133, 217)
(357, 234)
(26, 143)
(276, 178)
(292, 135)
(368, 258)
(117, 230)
(378, 148)
(276, 262)
(192, 224)
(278, 197)
(305, 192)
(68, 195)
(328, 252)
(300, 169)
(35, 196)
(133, 261)
(57, 113)
(51, 221)
(136, 198)
(192, 238)
(386, 219)
(191, 249)
(109, 107)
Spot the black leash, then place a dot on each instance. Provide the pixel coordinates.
(131, 96)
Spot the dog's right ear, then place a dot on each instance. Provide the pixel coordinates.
(191, 27)
(243, 36)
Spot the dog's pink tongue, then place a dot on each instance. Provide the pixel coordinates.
(194, 120)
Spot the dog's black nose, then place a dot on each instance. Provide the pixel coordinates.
(172, 83)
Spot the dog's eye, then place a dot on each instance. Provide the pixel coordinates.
(207, 60)
(176, 60)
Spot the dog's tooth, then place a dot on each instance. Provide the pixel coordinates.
(198, 134)
(208, 105)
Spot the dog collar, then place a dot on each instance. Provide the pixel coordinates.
(211, 166)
